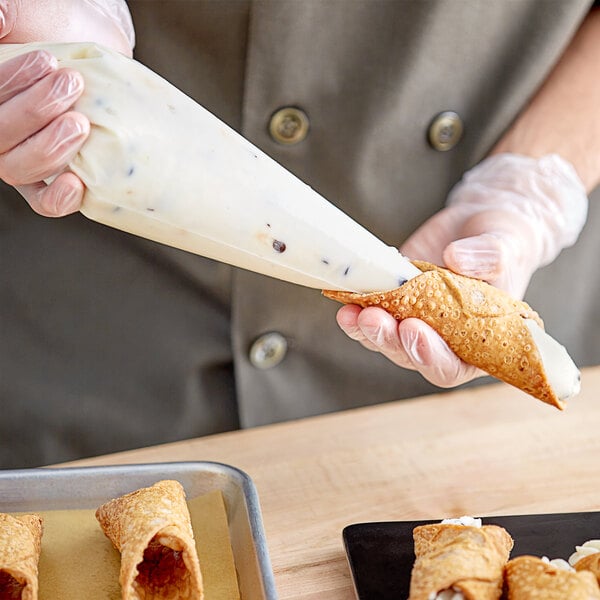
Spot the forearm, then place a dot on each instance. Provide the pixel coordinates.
(564, 115)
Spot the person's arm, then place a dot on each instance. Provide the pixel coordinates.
(564, 116)
(511, 214)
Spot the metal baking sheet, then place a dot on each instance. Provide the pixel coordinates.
(381, 555)
(89, 487)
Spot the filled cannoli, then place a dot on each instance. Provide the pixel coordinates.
(532, 578)
(152, 530)
(20, 544)
(459, 562)
(587, 558)
(485, 327)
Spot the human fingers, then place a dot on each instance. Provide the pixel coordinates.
(429, 354)
(347, 319)
(61, 197)
(19, 73)
(376, 330)
(47, 152)
(32, 109)
(410, 344)
(480, 256)
(495, 248)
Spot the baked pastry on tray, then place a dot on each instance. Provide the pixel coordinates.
(152, 530)
(20, 545)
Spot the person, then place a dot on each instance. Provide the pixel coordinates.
(113, 342)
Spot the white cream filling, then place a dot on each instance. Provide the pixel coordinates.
(447, 595)
(559, 563)
(464, 520)
(562, 373)
(590, 547)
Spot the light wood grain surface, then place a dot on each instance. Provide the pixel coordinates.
(485, 451)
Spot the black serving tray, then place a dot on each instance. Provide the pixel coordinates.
(381, 555)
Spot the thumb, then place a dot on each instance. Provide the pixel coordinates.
(481, 256)
(489, 257)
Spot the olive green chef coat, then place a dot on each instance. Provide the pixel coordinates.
(110, 342)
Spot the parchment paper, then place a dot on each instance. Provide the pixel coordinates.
(78, 562)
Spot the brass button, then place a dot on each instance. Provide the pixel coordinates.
(268, 350)
(288, 125)
(445, 131)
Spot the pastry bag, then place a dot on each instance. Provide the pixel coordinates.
(159, 165)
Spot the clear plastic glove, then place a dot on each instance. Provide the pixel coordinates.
(507, 217)
(39, 135)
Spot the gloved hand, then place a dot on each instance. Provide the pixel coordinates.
(507, 217)
(39, 135)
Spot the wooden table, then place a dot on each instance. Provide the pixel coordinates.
(490, 450)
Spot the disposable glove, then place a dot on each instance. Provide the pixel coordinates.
(106, 22)
(39, 135)
(507, 217)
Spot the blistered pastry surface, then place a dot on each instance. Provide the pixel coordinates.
(482, 325)
(462, 558)
(152, 526)
(530, 578)
(20, 544)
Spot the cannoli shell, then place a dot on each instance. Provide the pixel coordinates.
(530, 578)
(152, 530)
(20, 544)
(591, 562)
(482, 324)
(467, 559)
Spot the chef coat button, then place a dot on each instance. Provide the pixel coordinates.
(445, 131)
(288, 125)
(268, 350)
